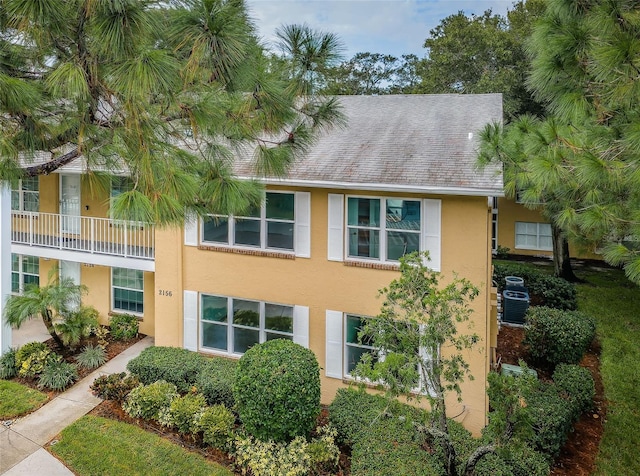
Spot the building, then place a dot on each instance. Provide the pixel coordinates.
(308, 265)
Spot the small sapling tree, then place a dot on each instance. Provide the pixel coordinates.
(419, 338)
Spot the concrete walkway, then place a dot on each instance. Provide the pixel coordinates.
(22, 441)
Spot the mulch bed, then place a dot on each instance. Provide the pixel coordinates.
(577, 457)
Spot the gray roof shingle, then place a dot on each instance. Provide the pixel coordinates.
(405, 142)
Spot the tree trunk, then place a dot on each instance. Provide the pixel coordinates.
(48, 323)
(52, 165)
(477, 455)
(561, 257)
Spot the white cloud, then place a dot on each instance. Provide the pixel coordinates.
(379, 26)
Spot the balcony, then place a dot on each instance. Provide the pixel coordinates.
(78, 234)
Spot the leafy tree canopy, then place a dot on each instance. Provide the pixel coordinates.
(166, 92)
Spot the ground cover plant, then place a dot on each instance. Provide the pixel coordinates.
(17, 399)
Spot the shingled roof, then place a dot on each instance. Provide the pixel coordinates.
(422, 143)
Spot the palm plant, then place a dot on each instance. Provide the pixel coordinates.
(53, 302)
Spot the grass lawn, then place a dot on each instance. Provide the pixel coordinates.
(17, 399)
(95, 446)
(615, 303)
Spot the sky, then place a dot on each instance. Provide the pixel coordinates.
(393, 27)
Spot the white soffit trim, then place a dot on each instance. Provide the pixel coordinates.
(382, 187)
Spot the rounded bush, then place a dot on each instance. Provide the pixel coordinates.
(577, 384)
(352, 411)
(552, 417)
(185, 411)
(25, 351)
(277, 390)
(216, 425)
(124, 326)
(148, 401)
(114, 387)
(215, 381)
(556, 336)
(37, 361)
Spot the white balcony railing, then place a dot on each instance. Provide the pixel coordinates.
(87, 234)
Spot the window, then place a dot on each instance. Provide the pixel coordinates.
(268, 227)
(119, 185)
(371, 236)
(128, 290)
(25, 270)
(25, 195)
(355, 345)
(533, 236)
(234, 325)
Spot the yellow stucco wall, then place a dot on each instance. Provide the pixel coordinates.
(327, 285)
(509, 212)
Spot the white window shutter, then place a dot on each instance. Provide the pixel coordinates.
(303, 224)
(191, 230)
(334, 344)
(335, 237)
(190, 324)
(431, 230)
(301, 325)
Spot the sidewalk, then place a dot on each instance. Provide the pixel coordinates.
(22, 441)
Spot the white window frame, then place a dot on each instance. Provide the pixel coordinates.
(230, 326)
(21, 273)
(346, 345)
(113, 294)
(538, 235)
(22, 194)
(264, 221)
(381, 228)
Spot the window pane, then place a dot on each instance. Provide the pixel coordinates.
(128, 278)
(364, 211)
(403, 214)
(243, 339)
(214, 308)
(253, 212)
(354, 323)
(214, 336)
(15, 262)
(15, 200)
(120, 185)
(247, 232)
(15, 282)
(353, 356)
(246, 313)
(216, 229)
(280, 235)
(31, 279)
(364, 243)
(30, 184)
(278, 318)
(280, 206)
(399, 244)
(270, 336)
(31, 201)
(128, 300)
(546, 243)
(31, 264)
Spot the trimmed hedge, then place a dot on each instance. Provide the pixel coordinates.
(519, 460)
(556, 336)
(353, 412)
(215, 381)
(150, 401)
(277, 390)
(577, 385)
(552, 418)
(550, 291)
(180, 367)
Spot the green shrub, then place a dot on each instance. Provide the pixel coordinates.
(578, 386)
(546, 290)
(552, 417)
(268, 458)
(26, 350)
(77, 325)
(36, 362)
(216, 424)
(124, 326)
(215, 381)
(184, 412)
(57, 375)
(391, 446)
(91, 357)
(323, 452)
(8, 367)
(514, 460)
(114, 387)
(148, 401)
(178, 366)
(354, 411)
(556, 336)
(277, 390)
